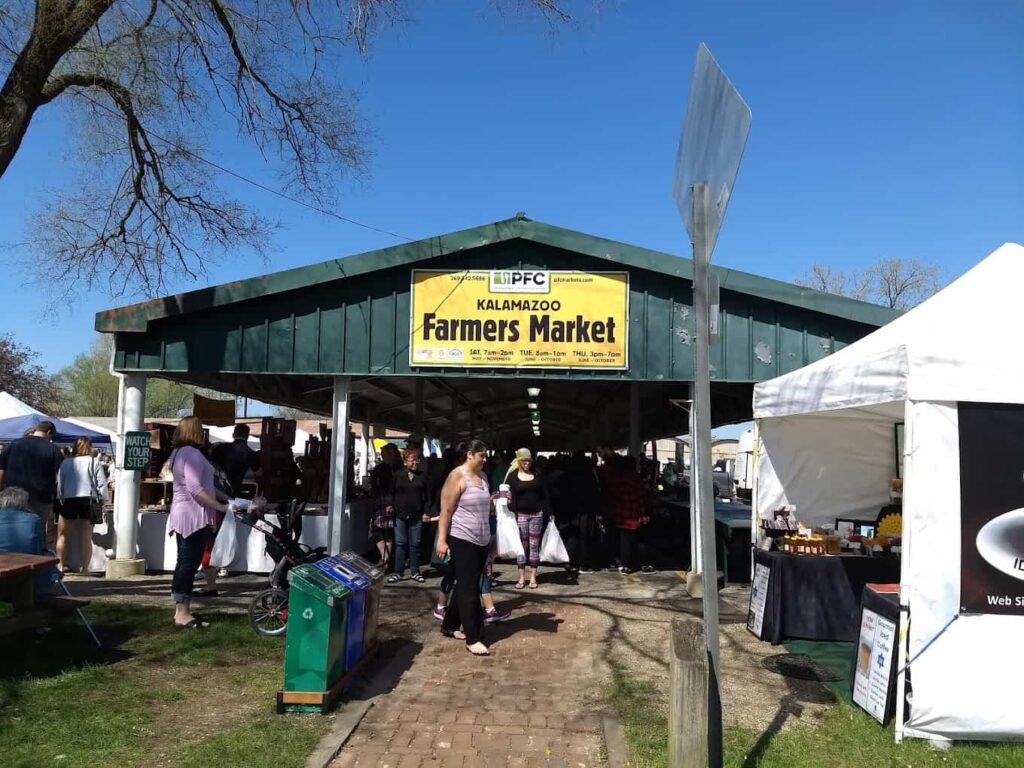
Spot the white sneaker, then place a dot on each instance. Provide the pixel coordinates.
(223, 573)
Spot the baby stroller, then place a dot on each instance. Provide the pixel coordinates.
(268, 610)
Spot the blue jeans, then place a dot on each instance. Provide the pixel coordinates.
(190, 557)
(407, 545)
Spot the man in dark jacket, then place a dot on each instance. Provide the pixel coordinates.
(236, 458)
(31, 463)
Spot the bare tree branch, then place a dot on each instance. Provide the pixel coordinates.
(894, 283)
(143, 79)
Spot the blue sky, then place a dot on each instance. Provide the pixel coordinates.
(879, 129)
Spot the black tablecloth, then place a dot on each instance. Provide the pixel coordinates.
(818, 598)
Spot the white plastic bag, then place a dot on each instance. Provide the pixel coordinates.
(508, 545)
(225, 545)
(552, 550)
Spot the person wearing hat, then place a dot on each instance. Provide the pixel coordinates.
(528, 499)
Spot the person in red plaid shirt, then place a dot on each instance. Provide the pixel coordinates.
(630, 501)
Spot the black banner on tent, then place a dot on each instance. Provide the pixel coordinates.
(991, 508)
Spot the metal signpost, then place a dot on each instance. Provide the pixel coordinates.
(714, 135)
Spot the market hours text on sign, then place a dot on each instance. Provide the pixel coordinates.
(136, 450)
(519, 319)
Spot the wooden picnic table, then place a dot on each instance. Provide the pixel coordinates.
(17, 574)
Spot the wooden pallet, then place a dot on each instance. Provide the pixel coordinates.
(325, 700)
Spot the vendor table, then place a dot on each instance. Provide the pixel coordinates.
(732, 534)
(813, 597)
(17, 573)
(873, 672)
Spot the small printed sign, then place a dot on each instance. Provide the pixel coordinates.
(136, 450)
(758, 597)
(874, 662)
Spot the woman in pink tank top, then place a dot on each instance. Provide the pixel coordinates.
(464, 535)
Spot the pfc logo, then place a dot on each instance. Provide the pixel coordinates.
(519, 281)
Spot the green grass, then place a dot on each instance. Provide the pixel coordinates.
(63, 702)
(844, 737)
(281, 742)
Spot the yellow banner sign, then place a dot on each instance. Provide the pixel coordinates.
(519, 319)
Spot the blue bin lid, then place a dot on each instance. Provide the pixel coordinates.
(374, 572)
(345, 572)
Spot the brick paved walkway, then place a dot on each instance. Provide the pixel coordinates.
(525, 706)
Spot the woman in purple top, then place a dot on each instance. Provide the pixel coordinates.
(193, 516)
(464, 534)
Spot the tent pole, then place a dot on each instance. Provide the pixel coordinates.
(755, 512)
(903, 631)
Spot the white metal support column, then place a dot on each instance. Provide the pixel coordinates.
(634, 419)
(364, 435)
(696, 554)
(339, 534)
(131, 404)
(419, 427)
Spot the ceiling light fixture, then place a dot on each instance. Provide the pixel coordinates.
(532, 406)
(533, 391)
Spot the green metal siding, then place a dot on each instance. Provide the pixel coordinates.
(359, 325)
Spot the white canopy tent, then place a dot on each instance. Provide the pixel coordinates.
(10, 406)
(827, 446)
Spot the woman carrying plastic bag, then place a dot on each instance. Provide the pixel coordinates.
(508, 543)
(225, 546)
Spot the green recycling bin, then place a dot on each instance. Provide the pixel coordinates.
(314, 658)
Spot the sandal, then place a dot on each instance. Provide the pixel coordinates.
(394, 578)
(481, 649)
(520, 585)
(534, 585)
(418, 577)
(194, 624)
(456, 634)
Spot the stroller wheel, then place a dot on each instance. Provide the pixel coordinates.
(268, 612)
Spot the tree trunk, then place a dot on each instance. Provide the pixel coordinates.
(14, 119)
(55, 31)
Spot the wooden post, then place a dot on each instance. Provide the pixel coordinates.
(688, 694)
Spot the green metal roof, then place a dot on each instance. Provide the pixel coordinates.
(280, 337)
(135, 317)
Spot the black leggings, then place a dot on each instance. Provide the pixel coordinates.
(468, 562)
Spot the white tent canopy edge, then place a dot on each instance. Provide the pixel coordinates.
(827, 446)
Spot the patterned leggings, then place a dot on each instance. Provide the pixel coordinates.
(530, 528)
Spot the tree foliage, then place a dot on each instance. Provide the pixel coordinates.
(894, 283)
(23, 378)
(87, 388)
(146, 80)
